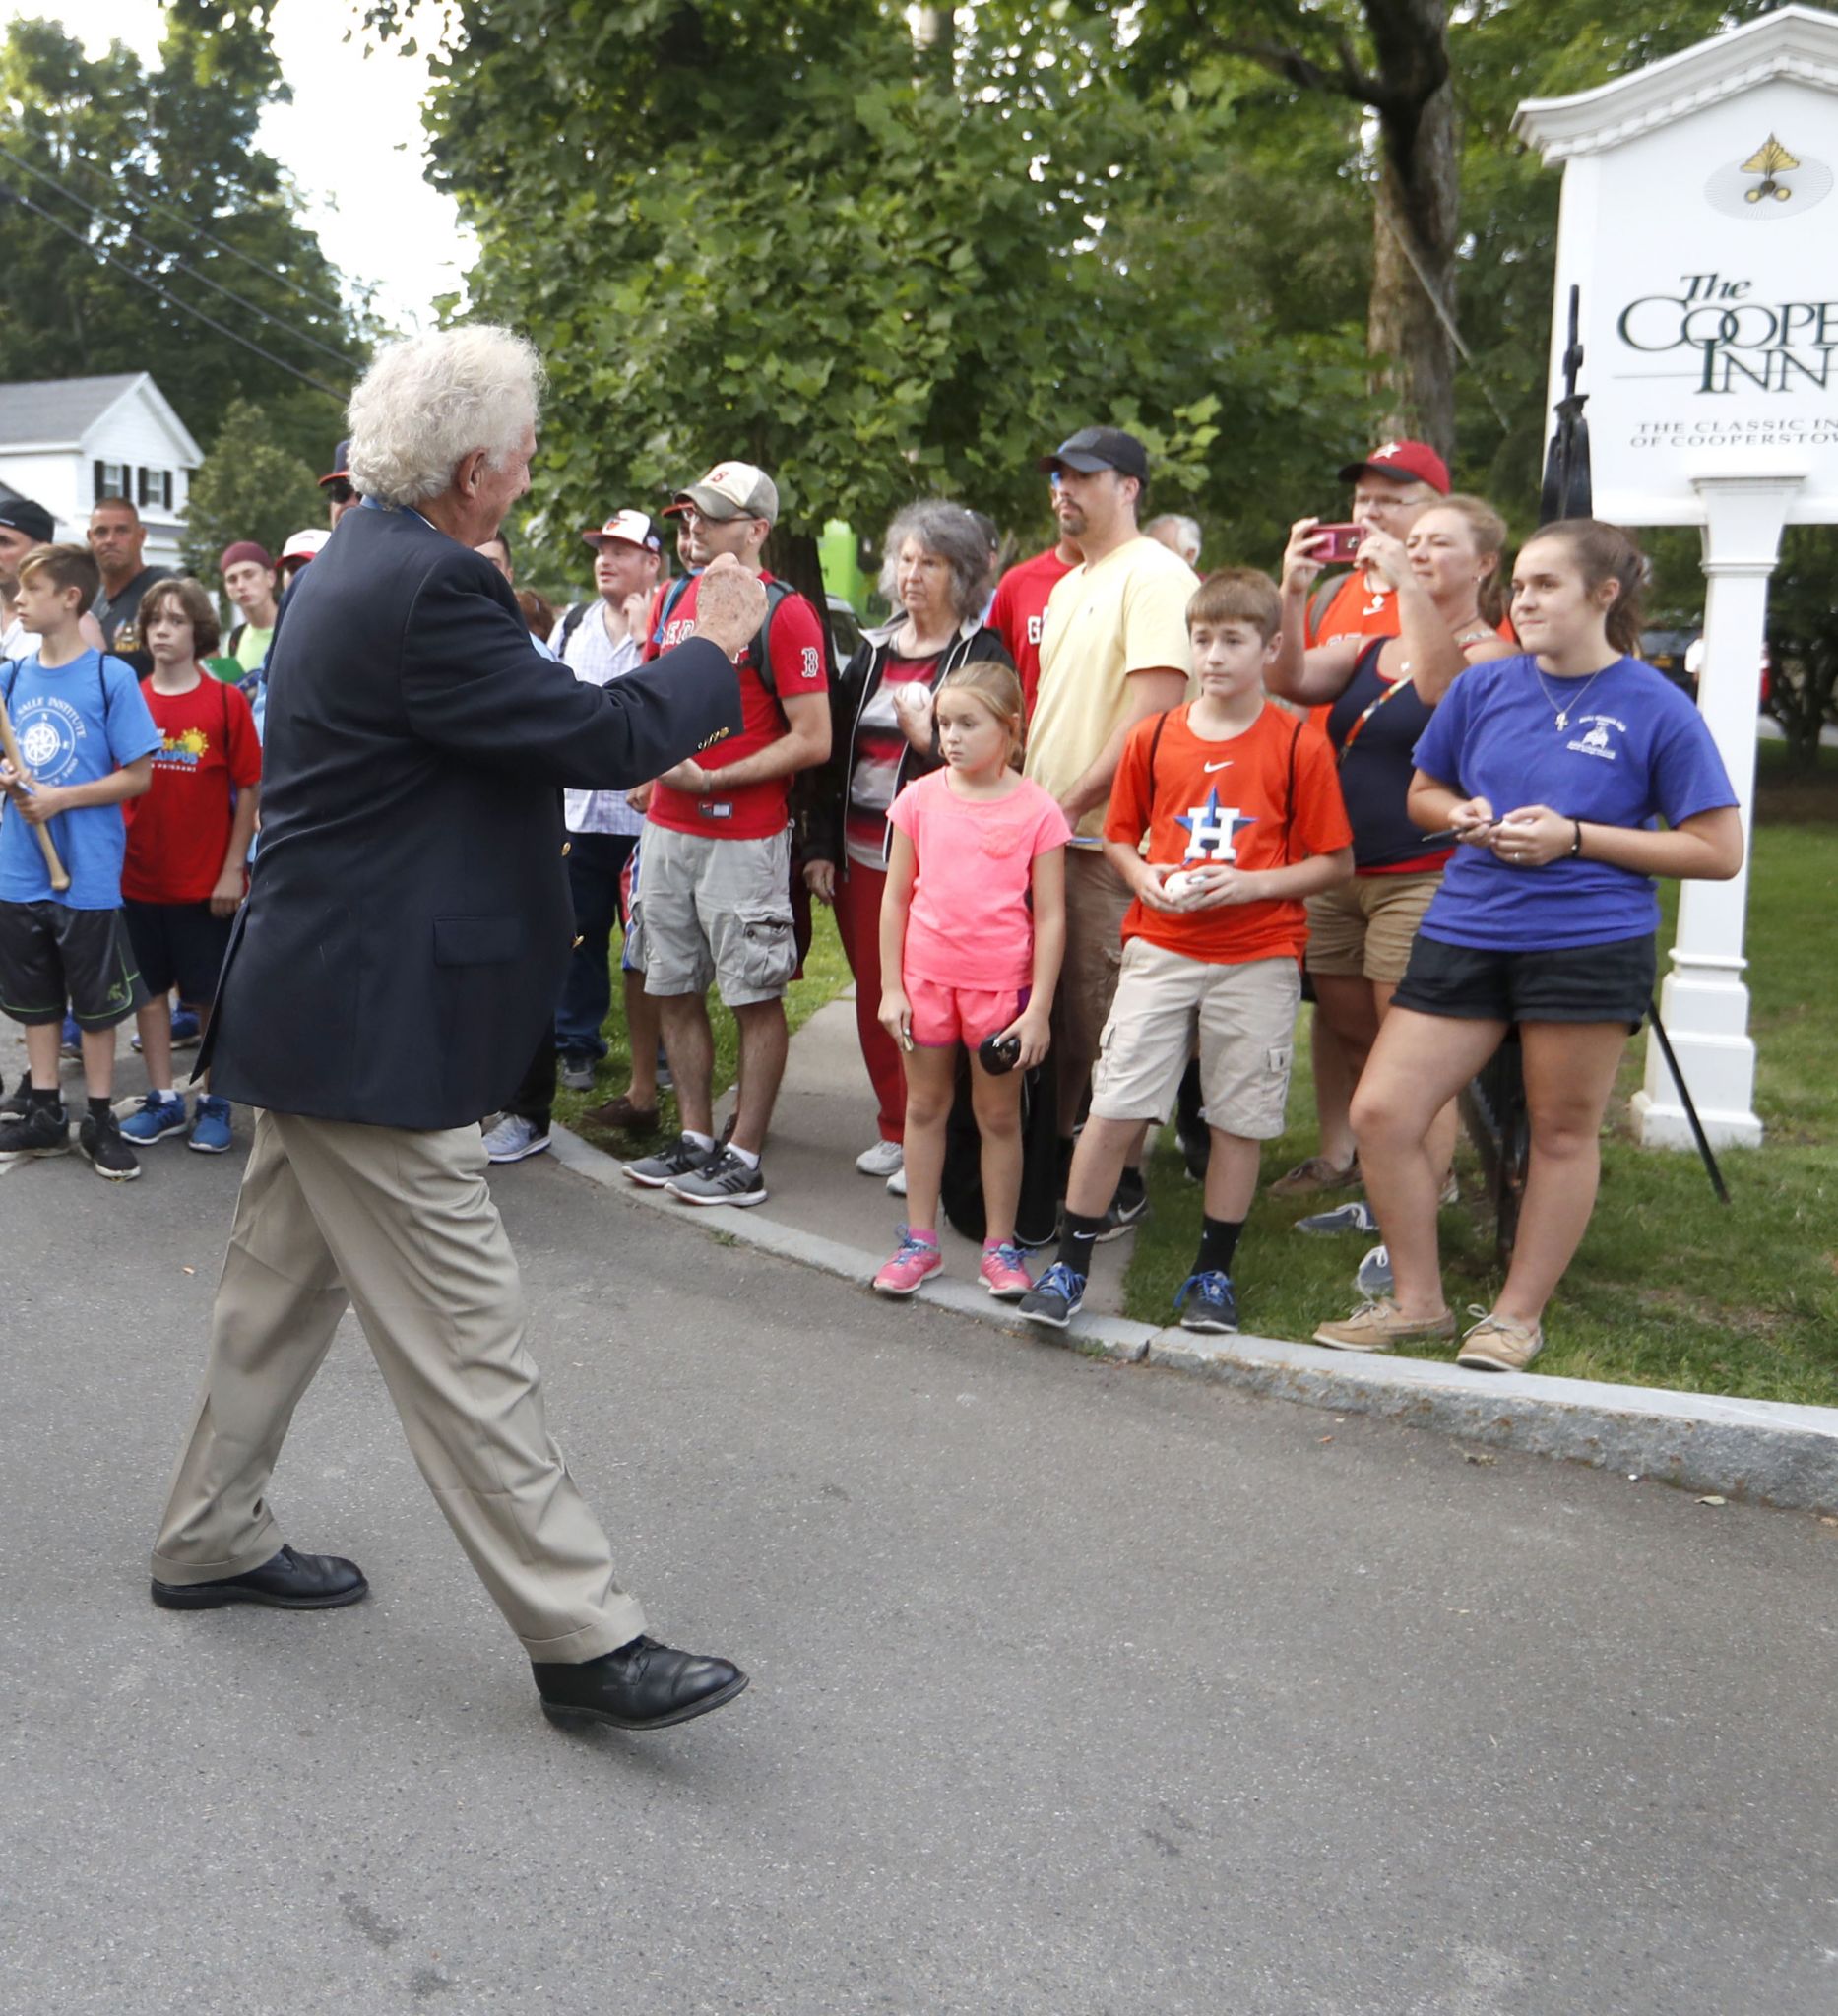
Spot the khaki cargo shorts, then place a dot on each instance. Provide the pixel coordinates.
(709, 909)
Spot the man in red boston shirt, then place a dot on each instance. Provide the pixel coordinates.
(1020, 607)
(714, 880)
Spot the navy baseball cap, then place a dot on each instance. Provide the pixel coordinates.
(341, 470)
(1094, 448)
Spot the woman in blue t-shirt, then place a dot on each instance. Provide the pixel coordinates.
(1552, 771)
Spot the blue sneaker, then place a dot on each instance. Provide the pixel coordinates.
(1057, 1298)
(187, 1030)
(210, 1127)
(1207, 1301)
(158, 1117)
(71, 1044)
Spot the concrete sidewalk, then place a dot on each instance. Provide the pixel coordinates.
(823, 1214)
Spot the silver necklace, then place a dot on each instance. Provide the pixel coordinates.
(1562, 708)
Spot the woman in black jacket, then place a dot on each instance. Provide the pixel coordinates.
(936, 572)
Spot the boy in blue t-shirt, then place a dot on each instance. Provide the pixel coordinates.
(85, 742)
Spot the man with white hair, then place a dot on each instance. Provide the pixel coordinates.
(407, 928)
(1177, 534)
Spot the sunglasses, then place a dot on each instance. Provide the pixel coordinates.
(340, 493)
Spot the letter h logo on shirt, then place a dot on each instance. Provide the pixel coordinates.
(1212, 828)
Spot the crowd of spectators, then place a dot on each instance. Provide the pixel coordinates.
(1091, 827)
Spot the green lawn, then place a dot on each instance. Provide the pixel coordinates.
(826, 974)
(1669, 1289)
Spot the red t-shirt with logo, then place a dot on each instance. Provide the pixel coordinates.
(1209, 804)
(754, 811)
(1020, 608)
(178, 829)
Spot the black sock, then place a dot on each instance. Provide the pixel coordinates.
(46, 1102)
(100, 1110)
(1063, 1162)
(1218, 1240)
(1130, 1185)
(1076, 1241)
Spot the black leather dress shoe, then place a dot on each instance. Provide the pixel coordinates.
(288, 1582)
(641, 1686)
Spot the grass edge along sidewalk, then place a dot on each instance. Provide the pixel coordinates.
(1760, 1450)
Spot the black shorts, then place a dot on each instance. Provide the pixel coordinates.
(1610, 983)
(178, 945)
(51, 954)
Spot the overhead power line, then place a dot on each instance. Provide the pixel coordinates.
(204, 278)
(323, 303)
(165, 295)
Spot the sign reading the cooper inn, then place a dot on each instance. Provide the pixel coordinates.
(1699, 222)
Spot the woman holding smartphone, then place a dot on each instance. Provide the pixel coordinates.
(1554, 770)
(1380, 694)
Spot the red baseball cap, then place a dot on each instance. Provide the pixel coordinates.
(1403, 462)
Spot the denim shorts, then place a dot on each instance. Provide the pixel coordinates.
(1610, 983)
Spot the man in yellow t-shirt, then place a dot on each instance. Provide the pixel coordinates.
(1113, 650)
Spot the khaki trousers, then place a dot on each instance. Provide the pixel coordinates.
(400, 1225)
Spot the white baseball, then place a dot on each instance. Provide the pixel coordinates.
(1179, 886)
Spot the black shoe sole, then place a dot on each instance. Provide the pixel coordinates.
(565, 1715)
(215, 1595)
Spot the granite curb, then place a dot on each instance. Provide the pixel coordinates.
(1762, 1450)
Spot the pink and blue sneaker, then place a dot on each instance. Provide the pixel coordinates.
(1004, 1274)
(916, 1257)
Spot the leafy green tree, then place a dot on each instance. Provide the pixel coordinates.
(248, 486)
(877, 270)
(158, 172)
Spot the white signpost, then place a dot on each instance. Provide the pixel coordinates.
(1700, 222)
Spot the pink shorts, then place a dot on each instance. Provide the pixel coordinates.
(944, 1015)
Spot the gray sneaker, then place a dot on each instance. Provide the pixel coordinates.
(1373, 1277)
(514, 1139)
(725, 1179)
(576, 1073)
(682, 1158)
(1356, 1217)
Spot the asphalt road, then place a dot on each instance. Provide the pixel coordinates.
(1076, 1687)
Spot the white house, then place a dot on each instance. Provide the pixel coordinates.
(65, 442)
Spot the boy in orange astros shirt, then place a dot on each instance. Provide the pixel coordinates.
(1243, 818)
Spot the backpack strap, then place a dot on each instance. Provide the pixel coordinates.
(1154, 742)
(1320, 602)
(760, 650)
(570, 623)
(672, 596)
(1289, 796)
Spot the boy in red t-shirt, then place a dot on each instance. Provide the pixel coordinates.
(188, 840)
(1243, 817)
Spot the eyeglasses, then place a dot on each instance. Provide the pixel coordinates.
(340, 493)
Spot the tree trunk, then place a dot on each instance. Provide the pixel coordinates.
(1416, 217)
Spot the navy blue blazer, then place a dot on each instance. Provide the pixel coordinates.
(409, 921)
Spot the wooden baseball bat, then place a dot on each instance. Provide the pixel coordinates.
(60, 875)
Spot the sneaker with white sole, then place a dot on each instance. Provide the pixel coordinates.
(211, 1132)
(1356, 1217)
(158, 1115)
(99, 1142)
(38, 1130)
(913, 1261)
(725, 1179)
(514, 1139)
(882, 1159)
(897, 1183)
(681, 1157)
(1373, 1275)
(1208, 1303)
(1379, 1326)
(1004, 1273)
(576, 1072)
(1496, 1344)
(1057, 1298)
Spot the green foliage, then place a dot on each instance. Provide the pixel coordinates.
(735, 230)
(165, 156)
(247, 488)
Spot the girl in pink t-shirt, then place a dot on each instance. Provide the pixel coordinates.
(972, 928)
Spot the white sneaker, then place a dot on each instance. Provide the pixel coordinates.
(897, 1183)
(514, 1138)
(882, 1159)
